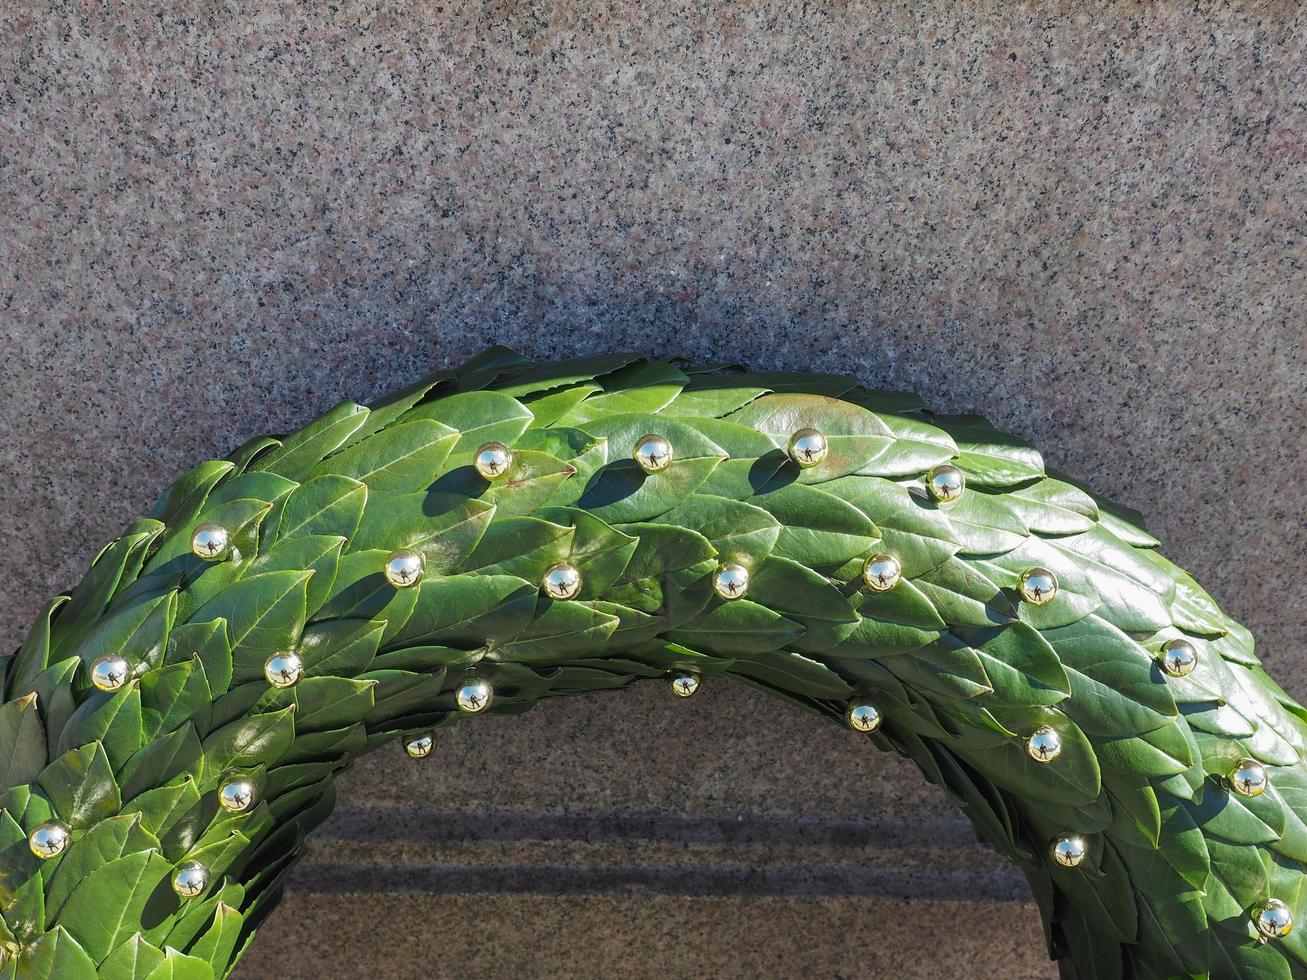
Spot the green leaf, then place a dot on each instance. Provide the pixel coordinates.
(133, 959)
(81, 786)
(106, 908)
(343, 647)
(107, 841)
(298, 454)
(164, 806)
(330, 504)
(57, 955)
(522, 546)
(317, 552)
(264, 613)
(138, 632)
(817, 528)
(479, 417)
(738, 531)
(208, 642)
(1020, 664)
(402, 459)
(160, 760)
(22, 742)
(444, 527)
(113, 720)
(249, 741)
(793, 673)
(330, 702)
(218, 943)
(473, 609)
(737, 627)
(171, 696)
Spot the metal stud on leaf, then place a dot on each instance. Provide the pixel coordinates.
(1274, 920)
(562, 582)
(1249, 778)
(653, 453)
(881, 572)
(1069, 850)
(731, 581)
(1044, 745)
(686, 685)
(1179, 657)
(493, 460)
(49, 839)
(420, 746)
(191, 880)
(808, 447)
(110, 672)
(404, 568)
(863, 717)
(283, 669)
(945, 483)
(210, 542)
(474, 695)
(1038, 586)
(236, 795)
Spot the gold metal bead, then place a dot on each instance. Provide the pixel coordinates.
(50, 839)
(1069, 850)
(110, 672)
(686, 685)
(731, 581)
(210, 541)
(191, 880)
(474, 695)
(563, 581)
(808, 447)
(283, 669)
(493, 460)
(236, 795)
(653, 453)
(1274, 920)
(881, 573)
(420, 746)
(1044, 745)
(863, 717)
(1249, 778)
(945, 483)
(1038, 586)
(1179, 657)
(404, 568)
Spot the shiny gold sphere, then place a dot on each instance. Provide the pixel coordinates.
(210, 541)
(283, 669)
(653, 453)
(420, 746)
(686, 685)
(1274, 920)
(1044, 745)
(946, 483)
(493, 460)
(808, 447)
(1069, 850)
(563, 581)
(731, 581)
(191, 880)
(1249, 778)
(474, 695)
(110, 672)
(236, 795)
(863, 717)
(404, 568)
(50, 839)
(881, 573)
(1038, 586)
(1179, 657)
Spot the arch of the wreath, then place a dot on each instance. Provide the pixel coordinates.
(882, 543)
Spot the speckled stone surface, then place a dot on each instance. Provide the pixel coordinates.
(1084, 220)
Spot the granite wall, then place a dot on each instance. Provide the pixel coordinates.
(1085, 220)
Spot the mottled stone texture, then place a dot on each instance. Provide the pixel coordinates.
(1084, 220)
